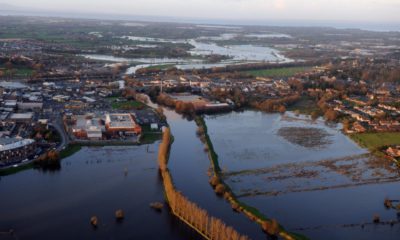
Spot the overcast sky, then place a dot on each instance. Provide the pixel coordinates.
(344, 10)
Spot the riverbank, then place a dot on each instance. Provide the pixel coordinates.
(270, 226)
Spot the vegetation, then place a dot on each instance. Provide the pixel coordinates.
(278, 72)
(70, 150)
(375, 141)
(163, 150)
(305, 105)
(13, 170)
(161, 67)
(179, 106)
(191, 214)
(149, 137)
(119, 215)
(51, 160)
(275, 105)
(94, 221)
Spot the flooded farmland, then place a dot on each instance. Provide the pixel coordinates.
(293, 169)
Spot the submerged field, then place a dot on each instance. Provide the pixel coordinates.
(290, 168)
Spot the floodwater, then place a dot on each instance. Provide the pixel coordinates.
(189, 164)
(94, 181)
(98, 181)
(238, 54)
(329, 191)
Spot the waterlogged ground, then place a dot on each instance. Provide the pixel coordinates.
(306, 174)
(94, 181)
(202, 46)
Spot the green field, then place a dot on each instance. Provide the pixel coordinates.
(278, 72)
(161, 67)
(12, 170)
(70, 150)
(374, 141)
(19, 71)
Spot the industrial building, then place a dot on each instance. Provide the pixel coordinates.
(125, 123)
(89, 127)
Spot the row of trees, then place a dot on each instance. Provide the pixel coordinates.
(50, 160)
(189, 212)
(179, 106)
(275, 105)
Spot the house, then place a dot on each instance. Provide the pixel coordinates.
(393, 151)
(359, 127)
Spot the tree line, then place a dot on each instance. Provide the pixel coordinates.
(196, 217)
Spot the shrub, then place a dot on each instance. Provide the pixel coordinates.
(271, 227)
(220, 189)
(214, 181)
(377, 219)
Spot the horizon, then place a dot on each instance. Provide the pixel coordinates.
(383, 24)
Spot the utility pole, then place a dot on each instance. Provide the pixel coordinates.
(161, 88)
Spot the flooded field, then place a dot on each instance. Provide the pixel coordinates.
(293, 169)
(202, 46)
(237, 52)
(95, 181)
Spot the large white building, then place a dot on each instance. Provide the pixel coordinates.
(14, 150)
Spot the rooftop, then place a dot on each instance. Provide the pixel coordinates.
(12, 143)
(120, 121)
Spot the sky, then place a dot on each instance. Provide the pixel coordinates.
(326, 10)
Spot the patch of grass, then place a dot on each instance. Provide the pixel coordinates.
(278, 72)
(13, 170)
(18, 71)
(161, 67)
(375, 141)
(150, 137)
(305, 105)
(70, 150)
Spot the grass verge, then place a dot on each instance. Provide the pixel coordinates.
(13, 170)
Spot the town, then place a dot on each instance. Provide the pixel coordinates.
(83, 90)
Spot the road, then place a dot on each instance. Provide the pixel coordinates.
(58, 125)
